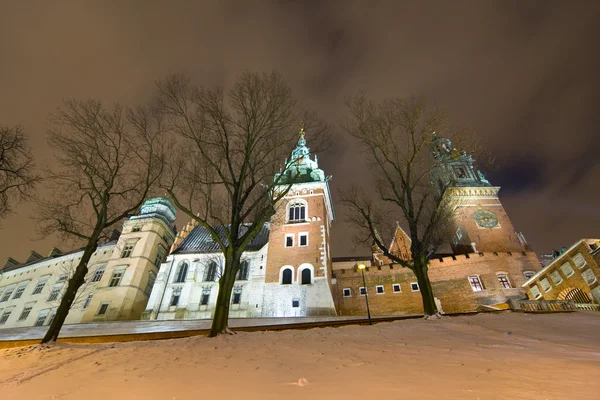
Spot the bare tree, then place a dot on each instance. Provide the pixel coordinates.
(109, 161)
(234, 143)
(17, 176)
(398, 137)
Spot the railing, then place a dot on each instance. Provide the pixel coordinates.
(547, 305)
(588, 307)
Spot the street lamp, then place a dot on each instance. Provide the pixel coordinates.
(362, 269)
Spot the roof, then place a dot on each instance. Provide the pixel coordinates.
(200, 241)
(355, 258)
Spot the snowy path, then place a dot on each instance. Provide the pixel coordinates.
(486, 356)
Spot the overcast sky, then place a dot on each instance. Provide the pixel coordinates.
(523, 74)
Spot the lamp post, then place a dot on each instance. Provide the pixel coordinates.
(362, 269)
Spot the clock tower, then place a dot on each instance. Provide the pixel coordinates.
(481, 223)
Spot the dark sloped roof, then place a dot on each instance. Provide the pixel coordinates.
(200, 241)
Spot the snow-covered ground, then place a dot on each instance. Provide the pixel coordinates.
(485, 356)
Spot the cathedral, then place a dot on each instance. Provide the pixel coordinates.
(288, 270)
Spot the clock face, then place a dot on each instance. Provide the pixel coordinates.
(485, 218)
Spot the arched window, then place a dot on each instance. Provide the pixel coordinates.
(306, 277)
(286, 276)
(243, 272)
(181, 272)
(297, 211)
(211, 272)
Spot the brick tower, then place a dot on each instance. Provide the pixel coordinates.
(298, 268)
(481, 222)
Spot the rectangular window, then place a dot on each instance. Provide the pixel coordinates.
(102, 309)
(136, 229)
(237, 297)
(414, 286)
(528, 274)
(556, 278)
(289, 240)
(535, 291)
(347, 292)
(39, 321)
(115, 279)
(589, 276)
(546, 285)
(5, 316)
(87, 302)
(396, 288)
(63, 277)
(379, 289)
(127, 250)
(25, 313)
(98, 273)
(8, 293)
(160, 255)
(362, 291)
(52, 315)
(303, 239)
(20, 290)
(295, 303)
(175, 298)
(579, 260)
(567, 269)
(204, 299)
(476, 284)
(150, 284)
(40, 285)
(504, 282)
(55, 292)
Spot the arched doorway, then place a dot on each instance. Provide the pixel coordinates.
(577, 295)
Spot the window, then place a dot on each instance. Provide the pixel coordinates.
(40, 285)
(41, 318)
(98, 273)
(204, 299)
(347, 292)
(286, 276)
(303, 239)
(396, 288)
(546, 285)
(55, 292)
(556, 278)
(289, 240)
(535, 291)
(63, 277)
(589, 276)
(579, 260)
(243, 272)
(87, 302)
(528, 274)
(459, 234)
(504, 282)
(237, 297)
(102, 309)
(52, 315)
(127, 250)
(182, 272)
(476, 284)
(175, 297)
(306, 277)
(115, 279)
(5, 316)
(150, 284)
(461, 172)
(20, 290)
(362, 291)
(414, 286)
(379, 289)
(136, 229)
(295, 303)
(160, 255)
(567, 269)
(211, 272)
(8, 293)
(25, 313)
(297, 212)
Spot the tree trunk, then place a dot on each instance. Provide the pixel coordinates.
(420, 270)
(220, 319)
(75, 283)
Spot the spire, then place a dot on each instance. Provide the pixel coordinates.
(301, 140)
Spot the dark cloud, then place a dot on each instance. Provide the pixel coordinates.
(523, 74)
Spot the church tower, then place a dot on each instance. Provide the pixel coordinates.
(298, 268)
(481, 223)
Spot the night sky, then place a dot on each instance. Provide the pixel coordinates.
(523, 74)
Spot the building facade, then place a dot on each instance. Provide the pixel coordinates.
(121, 275)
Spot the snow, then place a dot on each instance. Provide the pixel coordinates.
(485, 356)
